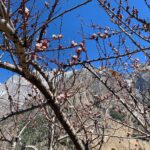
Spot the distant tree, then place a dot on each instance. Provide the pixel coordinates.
(54, 111)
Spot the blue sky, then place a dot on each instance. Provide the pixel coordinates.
(71, 27)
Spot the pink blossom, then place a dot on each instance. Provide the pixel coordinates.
(73, 44)
(43, 45)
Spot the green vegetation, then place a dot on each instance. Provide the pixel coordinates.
(35, 132)
(67, 143)
(117, 115)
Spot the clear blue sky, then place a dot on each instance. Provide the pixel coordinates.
(71, 27)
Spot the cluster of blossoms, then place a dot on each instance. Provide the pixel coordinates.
(63, 96)
(42, 45)
(101, 35)
(78, 51)
(74, 44)
(57, 37)
(135, 63)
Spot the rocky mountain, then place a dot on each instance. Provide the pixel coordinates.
(18, 89)
(142, 84)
